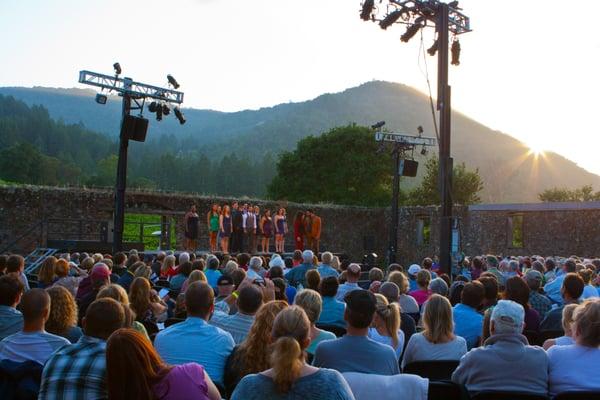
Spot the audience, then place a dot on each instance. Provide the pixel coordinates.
(567, 325)
(290, 377)
(15, 266)
(11, 319)
(148, 308)
(313, 279)
(78, 371)
(351, 284)
(516, 289)
(408, 304)
(256, 272)
(99, 277)
(116, 292)
(62, 320)
(468, 322)
(413, 270)
(589, 290)
(249, 299)
(421, 294)
(296, 277)
(332, 310)
(212, 272)
(385, 327)
(537, 301)
(310, 301)
(391, 292)
(554, 287)
(355, 352)
(325, 269)
(47, 273)
(571, 290)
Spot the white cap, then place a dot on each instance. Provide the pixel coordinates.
(276, 262)
(414, 269)
(508, 316)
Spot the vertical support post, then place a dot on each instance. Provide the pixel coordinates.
(445, 161)
(122, 171)
(393, 240)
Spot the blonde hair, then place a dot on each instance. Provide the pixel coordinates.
(423, 278)
(291, 330)
(139, 296)
(63, 310)
(335, 263)
(144, 271)
(438, 326)
(311, 303)
(399, 279)
(389, 313)
(567, 318)
(167, 264)
(586, 323)
(196, 275)
(47, 271)
(115, 292)
(87, 263)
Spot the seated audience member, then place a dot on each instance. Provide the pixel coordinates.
(427, 264)
(413, 270)
(280, 289)
(575, 367)
(468, 323)
(195, 276)
(355, 352)
(332, 311)
(496, 365)
(99, 277)
(33, 342)
(313, 279)
(15, 265)
(136, 371)
(290, 377)
(116, 292)
(437, 341)
(195, 340)
(325, 269)
(252, 356)
(456, 292)
(537, 301)
(46, 273)
(256, 272)
(290, 291)
(476, 267)
(553, 288)
(408, 304)
(127, 278)
(310, 302)
(517, 290)
(242, 261)
(183, 273)
(571, 290)
(168, 268)
(249, 299)
(156, 264)
(351, 284)
(492, 264)
(71, 283)
(78, 371)
(297, 276)
(11, 320)
(407, 323)
(62, 320)
(436, 286)
(567, 325)
(386, 325)
(212, 272)
(148, 308)
(589, 290)
(491, 287)
(375, 274)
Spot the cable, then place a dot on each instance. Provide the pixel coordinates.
(426, 74)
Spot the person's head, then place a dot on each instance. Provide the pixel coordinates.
(327, 258)
(255, 263)
(290, 337)
(472, 294)
(185, 269)
(196, 276)
(139, 296)
(572, 287)
(214, 208)
(586, 275)
(131, 260)
(199, 300)
(307, 256)
(427, 263)
(313, 279)
(249, 300)
(100, 276)
(47, 272)
(311, 303)
(456, 292)
(3, 260)
(517, 290)
(62, 268)
(184, 257)
(35, 306)
(120, 258)
(335, 263)
(569, 266)
(15, 264)
(193, 208)
(360, 307)
(238, 276)
(387, 316)
(477, 263)
(235, 205)
(390, 291)
(439, 286)
(400, 280)
(114, 291)
(508, 317)
(328, 286)
(394, 267)
(413, 270)
(567, 318)
(102, 318)
(375, 274)
(297, 256)
(437, 320)
(212, 262)
(133, 366)
(63, 310)
(268, 213)
(243, 258)
(353, 273)
(586, 325)
(423, 279)
(11, 290)
(534, 279)
(513, 266)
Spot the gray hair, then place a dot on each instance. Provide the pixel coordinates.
(184, 257)
(255, 263)
(326, 257)
(212, 262)
(307, 256)
(230, 267)
(439, 286)
(513, 265)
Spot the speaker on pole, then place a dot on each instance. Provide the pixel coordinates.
(408, 168)
(134, 128)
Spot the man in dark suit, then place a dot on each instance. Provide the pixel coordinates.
(237, 234)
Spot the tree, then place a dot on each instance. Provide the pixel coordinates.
(584, 193)
(341, 166)
(466, 185)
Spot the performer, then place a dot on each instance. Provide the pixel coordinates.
(299, 231)
(266, 227)
(315, 231)
(225, 228)
(280, 230)
(212, 220)
(237, 233)
(250, 230)
(190, 221)
(307, 230)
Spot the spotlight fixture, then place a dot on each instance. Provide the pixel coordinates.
(367, 9)
(165, 109)
(454, 4)
(378, 125)
(390, 19)
(153, 107)
(172, 81)
(411, 31)
(455, 49)
(423, 151)
(101, 98)
(433, 49)
(117, 68)
(179, 115)
(420, 130)
(159, 113)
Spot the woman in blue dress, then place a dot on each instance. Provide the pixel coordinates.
(266, 227)
(280, 230)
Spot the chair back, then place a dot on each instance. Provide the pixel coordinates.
(435, 370)
(445, 390)
(578, 395)
(533, 337)
(499, 395)
(173, 321)
(336, 330)
(20, 381)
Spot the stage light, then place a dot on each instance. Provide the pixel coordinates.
(411, 31)
(423, 151)
(153, 107)
(420, 130)
(367, 9)
(378, 125)
(172, 81)
(455, 49)
(117, 68)
(159, 113)
(390, 19)
(433, 49)
(454, 4)
(165, 109)
(101, 98)
(179, 115)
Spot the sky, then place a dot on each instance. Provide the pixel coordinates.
(529, 68)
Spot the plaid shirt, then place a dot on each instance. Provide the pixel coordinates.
(76, 371)
(540, 303)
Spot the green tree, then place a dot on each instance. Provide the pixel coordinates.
(106, 172)
(584, 193)
(341, 166)
(466, 185)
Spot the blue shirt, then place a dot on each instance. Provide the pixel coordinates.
(412, 284)
(332, 312)
(176, 282)
(552, 289)
(194, 340)
(345, 288)
(11, 321)
(238, 325)
(297, 275)
(212, 276)
(468, 324)
(327, 270)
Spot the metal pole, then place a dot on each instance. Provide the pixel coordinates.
(121, 172)
(393, 241)
(445, 161)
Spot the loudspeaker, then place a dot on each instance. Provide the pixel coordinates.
(134, 128)
(408, 168)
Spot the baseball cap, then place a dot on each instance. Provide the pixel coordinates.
(100, 272)
(224, 280)
(534, 275)
(414, 269)
(361, 301)
(508, 313)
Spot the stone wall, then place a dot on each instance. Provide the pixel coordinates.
(548, 229)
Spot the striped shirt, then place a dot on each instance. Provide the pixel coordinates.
(30, 346)
(238, 325)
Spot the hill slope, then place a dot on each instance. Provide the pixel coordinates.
(510, 174)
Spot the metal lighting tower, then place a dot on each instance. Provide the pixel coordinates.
(401, 144)
(134, 95)
(446, 18)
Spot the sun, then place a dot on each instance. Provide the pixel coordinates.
(536, 150)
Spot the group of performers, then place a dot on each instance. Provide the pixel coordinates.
(238, 229)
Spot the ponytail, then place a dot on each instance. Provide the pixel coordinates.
(287, 359)
(391, 316)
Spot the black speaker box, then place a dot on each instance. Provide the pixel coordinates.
(409, 168)
(134, 128)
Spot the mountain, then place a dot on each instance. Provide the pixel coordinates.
(510, 173)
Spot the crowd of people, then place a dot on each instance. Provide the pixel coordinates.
(238, 229)
(180, 326)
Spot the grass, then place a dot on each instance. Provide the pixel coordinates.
(151, 223)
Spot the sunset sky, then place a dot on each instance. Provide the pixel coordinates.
(529, 68)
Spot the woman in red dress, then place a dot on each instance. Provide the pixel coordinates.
(299, 230)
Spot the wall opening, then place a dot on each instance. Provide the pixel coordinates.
(423, 230)
(515, 231)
